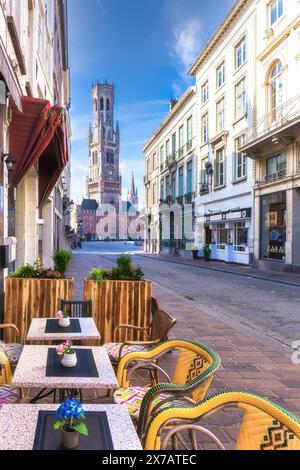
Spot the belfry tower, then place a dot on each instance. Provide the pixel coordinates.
(104, 182)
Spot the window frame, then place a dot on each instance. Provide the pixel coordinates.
(277, 4)
(243, 160)
(241, 96)
(218, 128)
(220, 176)
(244, 52)
(205, 92)
(221, 68)
(204, 128)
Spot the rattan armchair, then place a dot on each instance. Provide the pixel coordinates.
(13, 350)
(156, 333)
(194, 372)
(264, 426)
(8, 394)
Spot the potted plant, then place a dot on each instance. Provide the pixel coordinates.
(34, 290)
(120, 295)
(206, 252)
(63, 319)
(62, 259)
(67, 354)
(70, 416)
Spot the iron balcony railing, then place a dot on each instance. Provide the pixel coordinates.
(278, 117)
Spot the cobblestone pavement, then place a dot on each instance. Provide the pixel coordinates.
(252, 358)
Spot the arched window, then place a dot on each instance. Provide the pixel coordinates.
(107, 104)
(275, 90)
(101, 104)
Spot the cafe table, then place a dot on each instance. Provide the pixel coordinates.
(47, 329)
(20, 427)
(39, 367)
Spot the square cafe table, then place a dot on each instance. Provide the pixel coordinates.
(18, 425)
(37, 331)
(31, 372)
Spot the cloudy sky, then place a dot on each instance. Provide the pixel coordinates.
(145, 47)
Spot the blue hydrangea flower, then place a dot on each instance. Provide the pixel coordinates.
(68, 409)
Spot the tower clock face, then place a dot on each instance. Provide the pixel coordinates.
(109, 173)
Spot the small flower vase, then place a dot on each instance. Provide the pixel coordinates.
(64, 322)
(69, 360)
(69, 438)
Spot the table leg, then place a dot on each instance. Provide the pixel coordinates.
(41, 395)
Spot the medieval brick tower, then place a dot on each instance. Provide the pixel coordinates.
(104, 181)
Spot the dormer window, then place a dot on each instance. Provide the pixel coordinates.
(276, 8)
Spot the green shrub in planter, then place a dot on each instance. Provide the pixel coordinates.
(62, 259)
(124, 271)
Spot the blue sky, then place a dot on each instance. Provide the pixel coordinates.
(145, 47)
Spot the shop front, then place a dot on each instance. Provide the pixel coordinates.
(273, 227)
(228, 235)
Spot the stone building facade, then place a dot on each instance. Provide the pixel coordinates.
(104, 182)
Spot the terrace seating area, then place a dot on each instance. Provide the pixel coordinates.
(130, 380)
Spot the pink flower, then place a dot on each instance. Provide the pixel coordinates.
(59, 315)
(60, 350)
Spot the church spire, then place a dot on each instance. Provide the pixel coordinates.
(133, 193)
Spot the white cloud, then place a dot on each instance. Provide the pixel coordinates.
(187, 42)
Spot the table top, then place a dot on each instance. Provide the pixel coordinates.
(31, 371)
(18, 426)
(89, 331)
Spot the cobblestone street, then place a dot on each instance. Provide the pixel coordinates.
(251, 360)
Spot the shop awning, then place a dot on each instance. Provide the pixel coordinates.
(37, 136)
(10, 79)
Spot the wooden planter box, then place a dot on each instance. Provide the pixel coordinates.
(119, 302)
(33, 298)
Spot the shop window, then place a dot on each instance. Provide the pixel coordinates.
(240, 237)
(221, 237)
(273, 226)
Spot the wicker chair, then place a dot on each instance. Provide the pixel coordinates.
(161, 325)
(265, 425)
(193, 375)
(12, 350)
(8, 394)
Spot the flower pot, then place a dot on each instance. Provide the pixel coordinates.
(64, 322)
(69, 360)
(69, 437)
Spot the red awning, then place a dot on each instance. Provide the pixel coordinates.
(37, 136)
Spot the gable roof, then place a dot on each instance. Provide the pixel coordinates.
(89, 205)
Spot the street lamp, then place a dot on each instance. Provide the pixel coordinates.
(9, 160)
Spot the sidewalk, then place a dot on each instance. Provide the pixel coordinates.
(235, 269)
(248, 364)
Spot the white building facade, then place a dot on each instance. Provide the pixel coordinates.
(171, 180)
(273, 142)
(225, 81)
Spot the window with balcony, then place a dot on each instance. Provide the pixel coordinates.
(276, 10)
(174, 143)
(204, 129)
(221, 115)
(240, 53)
(162, 159)
(275, 91)
(167, 149)
(240, 99)
(189, 133)
(189, 181)
(204, 181)
(205, 93)
(181, 141)
(173, 185)
(168, 186)
(276, 167)
(162, 189)
(220, 168)
(220, 75)
(181, 181)
(240, 160)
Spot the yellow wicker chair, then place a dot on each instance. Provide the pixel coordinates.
(193, 374)
(13, 350)
(265, 425)
(8, 394)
